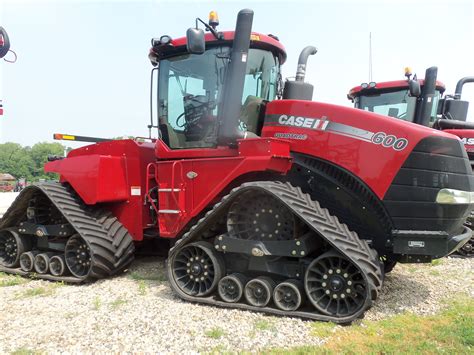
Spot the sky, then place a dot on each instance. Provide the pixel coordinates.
(83, 66)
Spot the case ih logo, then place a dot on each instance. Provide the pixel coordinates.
(467, 141)
(383, 139)
(305, 122)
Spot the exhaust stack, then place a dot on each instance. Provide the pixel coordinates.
(460, 84)
(298, 89)
(423, 114)
(235, 79)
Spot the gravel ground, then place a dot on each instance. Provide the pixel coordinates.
(6, 199)
(137, 312)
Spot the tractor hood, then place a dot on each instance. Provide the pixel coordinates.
(370, 146)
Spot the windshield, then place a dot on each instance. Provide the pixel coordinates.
(190, 90)
(397, 104)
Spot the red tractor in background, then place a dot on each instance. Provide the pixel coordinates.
(272, 202)
(421, 102)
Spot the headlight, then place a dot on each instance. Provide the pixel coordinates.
(451, 196)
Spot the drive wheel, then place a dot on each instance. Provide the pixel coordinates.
(258, 292)
(259, 216)
(335, 286)
(78, 256)
(12, 245)
(288, 295)
(197, 269)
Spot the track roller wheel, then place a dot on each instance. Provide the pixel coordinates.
(335, 286)
(467, 250)
(78, 256)
(12, 245)
(197, 269)
(57, 265)
(27, 260)
(231, 287)
(288, 295)
(258, 292)
(42, 262)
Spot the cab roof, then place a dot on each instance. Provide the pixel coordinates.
(388, 86)
(257, 40)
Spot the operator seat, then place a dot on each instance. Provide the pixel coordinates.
(250, 113)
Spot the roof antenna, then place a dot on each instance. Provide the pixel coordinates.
(370, 57)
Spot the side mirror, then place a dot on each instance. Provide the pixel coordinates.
(195, 41)
(415, 89)
(4, 43)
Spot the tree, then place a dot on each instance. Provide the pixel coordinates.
(39, 154)
(28, 162)
(15, 160)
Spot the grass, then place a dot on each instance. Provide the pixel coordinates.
(449, 332)
(23, 351)
(215, 333)
(138, 276)
(97, 303)
(264, 324)
(11, 280)
(437, 262)
(142, 287)
(323, 329)
(117, 303)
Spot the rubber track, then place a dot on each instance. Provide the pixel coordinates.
(111, 244)
(317, 218)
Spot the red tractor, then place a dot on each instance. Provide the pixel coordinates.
(271, 202)
(421, 102)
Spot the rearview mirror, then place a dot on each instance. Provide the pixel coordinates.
(195, 41)
(415, 89)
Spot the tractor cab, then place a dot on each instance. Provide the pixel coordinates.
(397, 99)
(191, 83)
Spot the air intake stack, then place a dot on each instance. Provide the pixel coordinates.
(298, 89)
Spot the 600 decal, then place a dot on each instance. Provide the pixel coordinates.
(389, 141)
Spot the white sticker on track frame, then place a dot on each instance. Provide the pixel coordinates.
(135, 191)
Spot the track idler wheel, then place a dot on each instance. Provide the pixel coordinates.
(57, 265)
(335, 286)
(27, 260)
(231, 287)
(42, 262)
(258, 292)
(12, 245)
(78, 256)
(197, 269)
(288, 295)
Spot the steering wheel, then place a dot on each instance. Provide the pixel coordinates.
(191, 103)
(178, 124)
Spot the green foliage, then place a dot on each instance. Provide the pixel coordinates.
(28, 162)
(215, 333)
(450, 332)
(11, 280)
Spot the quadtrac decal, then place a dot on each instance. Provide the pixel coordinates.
(323, 124)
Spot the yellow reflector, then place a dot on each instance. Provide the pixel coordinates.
(254, 37)
(69, 138)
